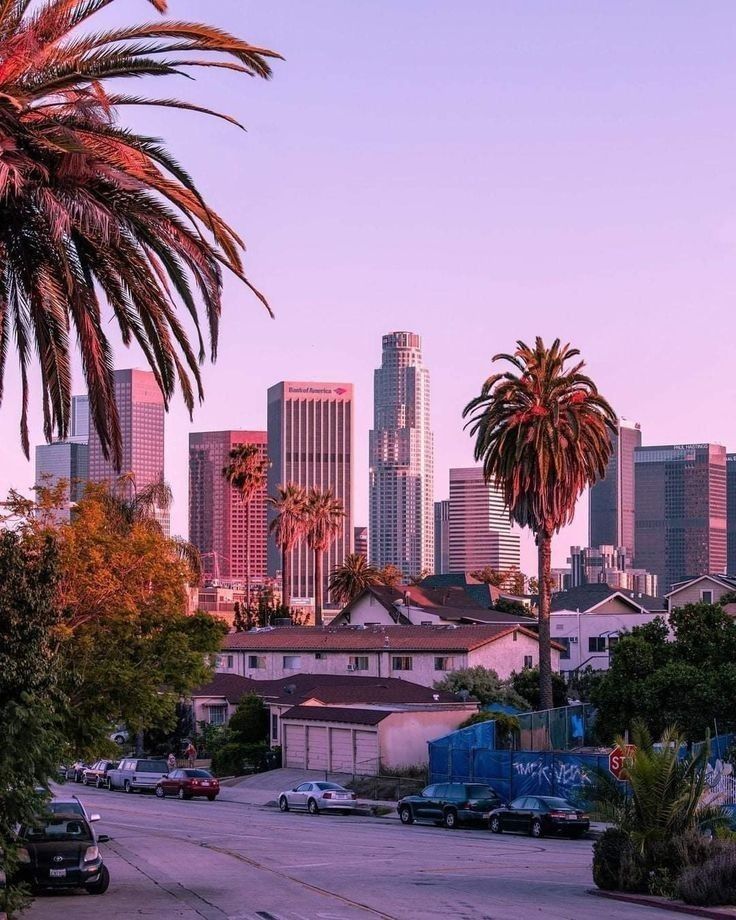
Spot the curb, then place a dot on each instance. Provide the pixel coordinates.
(647, 900)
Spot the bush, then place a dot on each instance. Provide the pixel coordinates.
(236, 759)
(713, 883)
(249, 723)
(616, 865)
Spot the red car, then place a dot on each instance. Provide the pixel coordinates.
(187, 783)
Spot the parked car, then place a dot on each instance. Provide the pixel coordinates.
(71, 806)
(539, 815)
(96, 775)
(120, 736)
(76, 771)
(61, 852)
(137, 773)
(450, 804)
(187, 783)
(317, 797)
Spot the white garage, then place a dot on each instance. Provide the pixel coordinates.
(334, 739)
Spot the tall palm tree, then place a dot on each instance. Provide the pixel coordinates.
(543, 436)
(246, 472)
(352, 576)
(288, 527)
(325, 515)
(93, 212)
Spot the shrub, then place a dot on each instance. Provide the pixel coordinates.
(712, 883)
(236, 759)
(616, 865)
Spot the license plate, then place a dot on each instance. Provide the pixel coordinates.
(205, 782)
(57, 873)
(572, 817)
(486, 814)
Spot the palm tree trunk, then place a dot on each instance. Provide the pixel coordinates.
(544, 545)
(318, 587)
(285, 578)
(247, 556)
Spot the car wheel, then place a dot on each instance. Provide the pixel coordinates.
(160, 793)
(312, 807)
(127, 787)
(406, 815)
(212, 797)
(536, 830)
(101, 886)
(100, 784)
(284, 803)
(451, 819)
(495, 825)
(181, 794)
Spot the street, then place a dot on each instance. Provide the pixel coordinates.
(216, 860)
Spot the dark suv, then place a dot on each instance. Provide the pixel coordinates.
(450, 804)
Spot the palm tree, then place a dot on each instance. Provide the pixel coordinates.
(351, 577)
(325, 515)
(246, 472)
(91, 211)
(543, 436)
(290, 504)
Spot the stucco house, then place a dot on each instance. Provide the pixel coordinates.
(705, 589)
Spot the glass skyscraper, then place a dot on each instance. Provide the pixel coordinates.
(611, 510)
(68, 459)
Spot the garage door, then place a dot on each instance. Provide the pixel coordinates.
(342, 750)
(366, 752)
(316, 747)
(296, 750)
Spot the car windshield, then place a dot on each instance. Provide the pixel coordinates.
(324, 786)
(553, 802)
(65, 808)
(58, 829)
(152, 766)
(197, 774)
(481, 792)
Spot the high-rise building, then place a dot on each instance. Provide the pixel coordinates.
(442, 537)
(401, 521)
(731, 513)
(140, 405)
(310, 443)
(611, 512)
(225, 530)
(68, 459)
(480, 526)
(681, 511)
(79, 428)
(610, 565)
(360, 541)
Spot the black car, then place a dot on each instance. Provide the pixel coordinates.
(450, 804)
(96, 774)
(539, 815)
(60, 852)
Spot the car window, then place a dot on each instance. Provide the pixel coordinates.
(554, 802)
(330, 786)
(305, 787)
(518, 803)
(454, 792)
(440, 791)
(65, 808)
(152, 766)
(480, 792)
(532, 803)
(196, 774)
(429, 792)
(57, 829)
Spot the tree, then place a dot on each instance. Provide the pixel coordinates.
(543, 437)
(490, 576)
(246, 472)
(390, 576)
(324, 520)
(526, 684)
(90, 208)
(504, 605)
(351, 578)
(290, 504)
(516, 582)
(484, 684)
(249, 723)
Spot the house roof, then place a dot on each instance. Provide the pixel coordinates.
(483, 594)
(336, 714)
(585, 598)
(727, 581)
(372, 638)
(230, 686)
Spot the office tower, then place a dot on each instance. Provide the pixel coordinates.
(731, 513)
(480, 526)
(610, 565)
(219, 520)
(65, 460)
(611, 511)
(360, 541)
(141, 410)
(442, 537)
(401, 521)
(79, 427)
(310, 438)
(681, 511)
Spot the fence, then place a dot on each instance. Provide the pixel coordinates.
(557, 729)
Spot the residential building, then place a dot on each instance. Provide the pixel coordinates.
(141, 411)
(231, 536)
(612, 499)
(401, 523)
(422, 654)
(360, 541)
(442, 537)
(731, 514)
(611, 565)
(310, 443)
(681, 511)
(480, 526)
(220, 598)
(706, 589)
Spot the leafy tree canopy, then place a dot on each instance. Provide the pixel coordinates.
(526, 684)
(249, 723)
(484, 684)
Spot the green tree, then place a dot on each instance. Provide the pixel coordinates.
(324, 520)
(90, 209)
(484, 684)
(351, 578)
(249, 723)
(543, 436)
(288, 527)
(526, 684)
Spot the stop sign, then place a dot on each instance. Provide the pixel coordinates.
(617, 759)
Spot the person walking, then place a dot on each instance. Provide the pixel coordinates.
(191, 754)
(171, 762)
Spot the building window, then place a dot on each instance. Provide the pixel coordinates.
(256, 662)
(564, 641)
(229, 661)
(528, 661)
(274, 726)
(597, 644)
(320, 656)
(706, 597)
(358, 663)
(444, 664)
(401, 663)
(292, 662)
(218, 714)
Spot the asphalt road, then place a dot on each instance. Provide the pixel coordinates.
(217, 860)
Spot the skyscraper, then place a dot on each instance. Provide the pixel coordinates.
(79, 429)
(68, 459)
(310, 443)
(681, 511)
(731, 513)
(401, 523)
(611, 512)
(442, 537)
(480, 526)
(141, 410)
(218, 518)
(360, 541)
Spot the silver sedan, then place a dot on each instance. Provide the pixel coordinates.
(317, 797)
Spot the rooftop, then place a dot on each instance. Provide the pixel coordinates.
(586, 597)
(336, 714)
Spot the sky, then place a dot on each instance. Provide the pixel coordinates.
(477, 172)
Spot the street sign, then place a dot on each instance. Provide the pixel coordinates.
(617, 760)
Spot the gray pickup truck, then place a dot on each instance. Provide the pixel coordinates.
(137, 773)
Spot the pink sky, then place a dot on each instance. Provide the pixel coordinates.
(477, 172)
